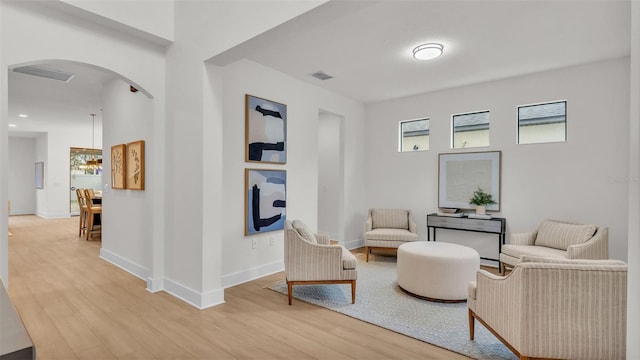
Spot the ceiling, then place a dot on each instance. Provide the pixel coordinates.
(48, 101)
(366, 46)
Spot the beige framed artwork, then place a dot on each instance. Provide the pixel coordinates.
(118, 162)
(134, 164)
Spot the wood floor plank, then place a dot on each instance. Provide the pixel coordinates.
(78, 306)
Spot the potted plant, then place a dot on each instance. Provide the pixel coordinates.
(481, 199)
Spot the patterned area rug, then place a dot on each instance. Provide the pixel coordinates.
(380, 301)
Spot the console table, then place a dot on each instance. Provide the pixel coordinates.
(494, 225)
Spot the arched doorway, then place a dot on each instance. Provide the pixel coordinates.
(57, 119)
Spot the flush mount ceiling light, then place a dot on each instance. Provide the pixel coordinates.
(428, 51)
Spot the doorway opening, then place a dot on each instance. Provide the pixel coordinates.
(83, 174)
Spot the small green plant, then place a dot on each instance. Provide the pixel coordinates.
(481, 198)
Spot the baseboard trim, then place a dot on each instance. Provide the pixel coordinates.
(53, 216)
(125, 264)
(354, 244)
(252, 274)
(199, 300)
(155, 285)
(190, 296)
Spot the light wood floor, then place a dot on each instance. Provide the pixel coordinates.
(77, 306)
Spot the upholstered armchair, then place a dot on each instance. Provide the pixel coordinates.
(555, 308)
(310, 259)
(559, 240)
(388, 229)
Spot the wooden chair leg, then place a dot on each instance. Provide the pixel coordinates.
(289, 290)
(81, 226)
(472, 323)
(89, 225)
(366, 251)
(353, 291)
(502, 268)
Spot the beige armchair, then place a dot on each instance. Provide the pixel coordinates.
(559, 240)
(554, 308)
(310, 259)
(388, 229)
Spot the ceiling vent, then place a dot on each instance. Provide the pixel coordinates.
(45, 73)
(321, 76)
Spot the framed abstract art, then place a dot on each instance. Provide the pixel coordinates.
(265, 130)
(118, 161)
(460, 174)
(134, 164)
(265, 200)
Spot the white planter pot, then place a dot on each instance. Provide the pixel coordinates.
(481, 210)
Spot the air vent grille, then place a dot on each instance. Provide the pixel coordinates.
(45, 73)
(321, 75)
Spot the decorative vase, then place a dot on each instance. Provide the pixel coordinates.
(480, 210)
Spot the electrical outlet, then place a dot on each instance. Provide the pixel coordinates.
(254, 243)
(272, 240)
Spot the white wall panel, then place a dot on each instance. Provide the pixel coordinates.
(582, 179)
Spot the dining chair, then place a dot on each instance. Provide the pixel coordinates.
(93, 210)
(82, 204)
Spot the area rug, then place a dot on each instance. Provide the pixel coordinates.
(380, 301)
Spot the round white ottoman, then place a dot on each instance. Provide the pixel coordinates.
(437, 270)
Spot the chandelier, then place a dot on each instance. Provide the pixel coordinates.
(93, 163)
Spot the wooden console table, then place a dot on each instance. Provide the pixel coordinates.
(494, 225)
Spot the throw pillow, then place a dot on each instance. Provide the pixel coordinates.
(304, 231)
(560, 235)
(390, 218)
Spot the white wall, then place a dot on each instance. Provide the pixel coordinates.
(128, 117)
(633, 297)
(4, 164)
(22, 192)
(54, 145)
(330, 174)
(154, 18)
(193, 249)
(582, 179)
(240, 262)
(31, 33)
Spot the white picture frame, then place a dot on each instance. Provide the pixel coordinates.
(460, 174)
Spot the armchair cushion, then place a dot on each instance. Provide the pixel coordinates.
(391, 235)
(349, 261)
(560, 235)
(304, 231)
(390, 218)
(518, 251)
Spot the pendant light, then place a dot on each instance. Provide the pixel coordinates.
(93, 163)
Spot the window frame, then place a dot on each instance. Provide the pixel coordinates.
(453, 127)
(566, 127)
(401, 133)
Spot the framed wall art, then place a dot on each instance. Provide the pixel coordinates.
(118, 169)
(265, 200)
(134, 164)
(40, 175)
(460, 174)
(265, 130)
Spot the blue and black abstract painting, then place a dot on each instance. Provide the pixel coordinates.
(266, 123)
(265, 200)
